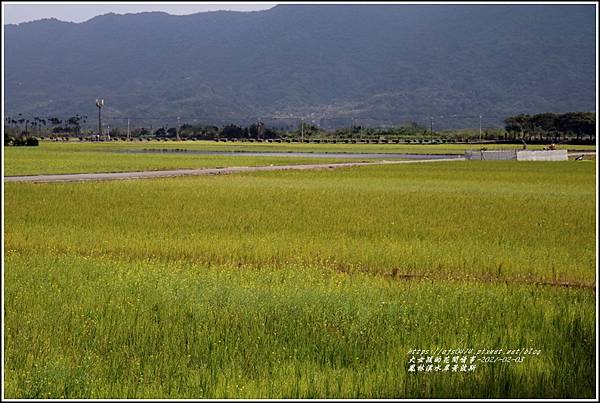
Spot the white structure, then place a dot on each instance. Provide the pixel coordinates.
(546, 155)
(519, 155)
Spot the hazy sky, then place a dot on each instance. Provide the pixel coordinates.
(15, 13)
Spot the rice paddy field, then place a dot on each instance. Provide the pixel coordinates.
(66, 158)
(82, 157)
(302, 284)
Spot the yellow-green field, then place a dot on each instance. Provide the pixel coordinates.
(312, 284)
(66, 158)
(82, 157)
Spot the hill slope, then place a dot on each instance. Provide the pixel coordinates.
(387, 62)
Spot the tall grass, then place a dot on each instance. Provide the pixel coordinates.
(102, 328)
(293, 284)
(503, 221)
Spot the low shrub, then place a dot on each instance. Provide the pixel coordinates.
(28, 141)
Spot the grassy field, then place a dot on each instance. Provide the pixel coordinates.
(76, 157)
(65, 158)
(302, 284)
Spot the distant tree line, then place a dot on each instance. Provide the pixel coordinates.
(578, 126)
(37, 126)
(544, 127)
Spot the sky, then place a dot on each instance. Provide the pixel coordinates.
(15, 13)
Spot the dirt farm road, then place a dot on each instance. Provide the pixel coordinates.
(200, 171)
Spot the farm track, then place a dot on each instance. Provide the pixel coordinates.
(200, 171)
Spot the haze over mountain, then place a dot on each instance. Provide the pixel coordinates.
(387, 63)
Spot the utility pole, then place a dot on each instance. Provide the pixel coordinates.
(362, 131)
(431, 126)
(302, 129)
(177, 129)
(128, 129)
(480, 128)
(99, 105)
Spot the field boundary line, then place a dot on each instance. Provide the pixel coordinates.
(103, 176)
(491, 280)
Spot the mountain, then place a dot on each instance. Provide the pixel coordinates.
(381, 63)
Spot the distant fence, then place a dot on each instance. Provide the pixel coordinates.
(519, 155)
(494, 155)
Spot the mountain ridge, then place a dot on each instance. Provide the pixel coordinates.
(327, 61)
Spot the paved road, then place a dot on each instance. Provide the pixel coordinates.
(199, 171)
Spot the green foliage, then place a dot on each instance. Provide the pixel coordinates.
(290, 284)
(172, 132)
(198, 131)
(232, 131)
(552, 125)
(20, 140)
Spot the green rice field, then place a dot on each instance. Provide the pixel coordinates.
(67, 158)
(82, 157)
(301, 284)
